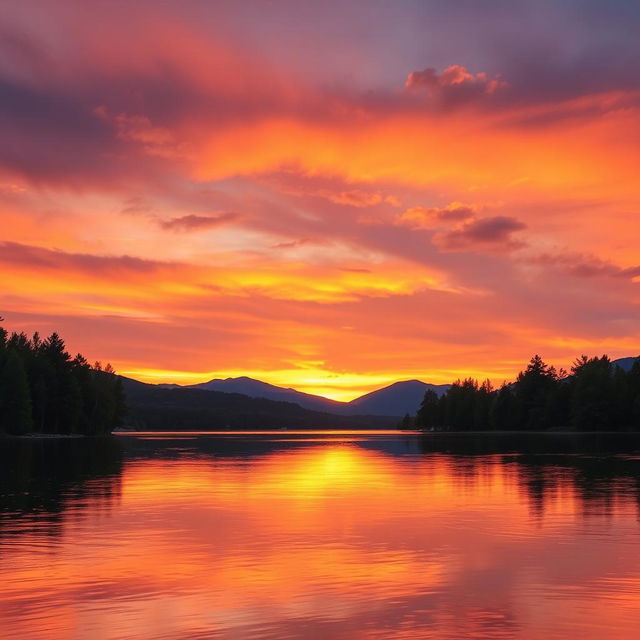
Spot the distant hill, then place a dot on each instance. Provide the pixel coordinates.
(157, 407)
(258, 389)
(625, 363)
(395, 400)
(246, 403)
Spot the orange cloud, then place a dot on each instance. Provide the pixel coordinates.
(197, 223)
(496, 232)
(426, 218)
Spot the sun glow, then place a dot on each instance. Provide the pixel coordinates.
(336, 386)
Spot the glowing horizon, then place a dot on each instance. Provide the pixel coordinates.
(184, 198)
(331, 388)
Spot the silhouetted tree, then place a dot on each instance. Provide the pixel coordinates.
(533, 386)
(43, 389)
(505, 413)
(595, 395)
(632, 418)
(428, 415)
(482, 406)
(15, 401)
(622, 402)
(592, 397)
(407, 422)
(460, 404)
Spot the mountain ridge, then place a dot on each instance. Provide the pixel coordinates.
(386, 404)
(625, 363)
(395, 399)
(158, 407)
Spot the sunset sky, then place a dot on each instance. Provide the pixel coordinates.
(326, 195)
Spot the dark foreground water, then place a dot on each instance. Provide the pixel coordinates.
(319, 536)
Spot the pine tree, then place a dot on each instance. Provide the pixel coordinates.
(15, 400)
(428, 415)
(533, 387)
(482, 406)
(633, 389)
(592, 394)
(42, 388)
(506, 411)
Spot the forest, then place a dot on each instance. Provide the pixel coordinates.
(595, 395)
(43, 389)
(151, 407)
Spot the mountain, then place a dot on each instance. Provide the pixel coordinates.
(395, 400)
(625, 363)
(244, 402)
(157, 407)
(258, 389)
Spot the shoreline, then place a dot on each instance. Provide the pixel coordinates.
(368, 431)
(46, 436)
(248, 432)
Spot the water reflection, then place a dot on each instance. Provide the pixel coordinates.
(314, 536)
(42, 482)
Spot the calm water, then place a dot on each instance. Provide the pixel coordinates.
(320, 536)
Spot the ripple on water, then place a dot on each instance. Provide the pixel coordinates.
(356, 536)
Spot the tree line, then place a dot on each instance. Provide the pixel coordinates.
(43, 389)
(595, 395)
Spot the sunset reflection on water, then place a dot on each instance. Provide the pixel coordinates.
(318, 536)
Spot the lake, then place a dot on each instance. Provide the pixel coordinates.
(320, 535)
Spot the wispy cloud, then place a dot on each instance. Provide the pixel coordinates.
(194, 222)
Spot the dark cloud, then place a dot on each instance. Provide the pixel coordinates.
(585, 266)
(455, 85)
(46, 134)
(90, 124)
(495, 233)
(198, 223)
(21, 255)
(546, 75)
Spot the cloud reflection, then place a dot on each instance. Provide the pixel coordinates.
(359, 537)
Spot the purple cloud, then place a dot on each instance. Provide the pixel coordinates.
(198, 223)
(585, 266)
(14, 253)
(495, 233)
(455, 85)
